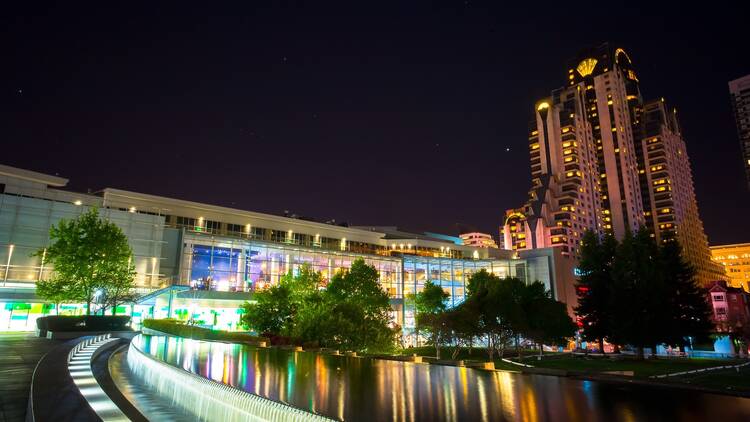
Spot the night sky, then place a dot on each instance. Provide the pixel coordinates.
(398, 113)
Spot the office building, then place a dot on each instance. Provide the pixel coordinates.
(739, 91)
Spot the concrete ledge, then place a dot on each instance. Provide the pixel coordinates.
(397, 358)
(201, 396)
(447, 362)
(490, 366)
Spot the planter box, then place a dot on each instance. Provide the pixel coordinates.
(67, 335)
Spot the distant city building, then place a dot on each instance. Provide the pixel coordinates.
(602, 159)
(479, 240)
(739, 90)
(730, 307)
(736, 262)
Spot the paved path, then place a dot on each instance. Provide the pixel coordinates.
(19, 354)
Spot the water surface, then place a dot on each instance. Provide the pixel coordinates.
(360, 389)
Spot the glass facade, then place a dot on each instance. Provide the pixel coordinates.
(231, 264)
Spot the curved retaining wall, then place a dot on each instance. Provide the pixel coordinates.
(207, 399)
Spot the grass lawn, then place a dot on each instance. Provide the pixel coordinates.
(725, 379)
(642, 368)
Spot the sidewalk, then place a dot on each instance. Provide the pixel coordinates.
(19, 354)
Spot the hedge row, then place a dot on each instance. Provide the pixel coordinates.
(178, 328)
(84, 323)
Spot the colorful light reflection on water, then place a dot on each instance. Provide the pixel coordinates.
(361, 389)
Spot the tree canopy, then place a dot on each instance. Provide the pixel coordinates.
(91, 257)
(351, 313)
(639, 293)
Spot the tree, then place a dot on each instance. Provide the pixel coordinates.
(88, 254)
(594, 287)
(462, 324)
(359, 309)
(277, 308)
(271, 311)
(119, 291)
(351, 313)
(55, 290)
(547, 320)
(690, 314)
(305, 283)
(498, 306)
(639, 315)
(430, 306)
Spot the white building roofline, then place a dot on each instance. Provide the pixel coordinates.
(33, 176)
(161, 200)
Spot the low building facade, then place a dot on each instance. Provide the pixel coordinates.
(219, 256)
(735, 260)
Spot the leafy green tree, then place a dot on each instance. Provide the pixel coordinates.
(270, 312)
(120, 291)
(430, 306)
(55, 290)
(594, 287)
(690, 313)
(547, 320)
(498, 306)
(305, 283)
(276, 310)
(462, 326)
(479, 281)
(359, 309)
(431, 299)
(88, 254)
(312, 322)
(351, 313)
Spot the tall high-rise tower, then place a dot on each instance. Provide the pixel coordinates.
(739, 90)
(667, 188)
(583, 163)
(603, 160)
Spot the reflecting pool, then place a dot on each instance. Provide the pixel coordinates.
(360, 389)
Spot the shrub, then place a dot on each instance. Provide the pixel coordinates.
(177, 328)
(84, 323)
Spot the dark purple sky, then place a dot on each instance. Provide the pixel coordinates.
(394, 113)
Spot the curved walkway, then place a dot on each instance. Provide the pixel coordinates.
(19, 355)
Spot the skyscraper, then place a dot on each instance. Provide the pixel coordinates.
(667, 188)
(583, 163)
(602, 159)
(739, 90)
